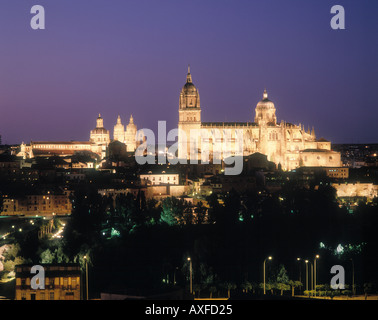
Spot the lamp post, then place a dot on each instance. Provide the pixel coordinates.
(269, 258)
(306, 261)
(300, 271)
(316, 257)
(353, 291)
(191, 274)
(86, 275)
(312, 275)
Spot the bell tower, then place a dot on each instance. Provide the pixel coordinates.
(189, 115)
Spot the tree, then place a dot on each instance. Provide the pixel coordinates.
(294, 284)
(269, 286)
(246, 286)
(197, 288)
(12, 258)
(212, 289)
(282, 282)
(200, 211)
(172, 211)
(229, 286)
(47, 256)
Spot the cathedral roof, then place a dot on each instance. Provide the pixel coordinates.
(228, 124)
(318, 150)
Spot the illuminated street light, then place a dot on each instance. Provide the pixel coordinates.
(353, 287)
(191, 274)
(300, 270)
(269, 258)
(86, 275)
(306, 261)
(316, 257)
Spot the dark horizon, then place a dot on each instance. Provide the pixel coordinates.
(131, 58)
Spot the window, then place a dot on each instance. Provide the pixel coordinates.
(51, 295)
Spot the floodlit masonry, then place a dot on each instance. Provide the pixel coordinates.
(99, 139)
(285, 144)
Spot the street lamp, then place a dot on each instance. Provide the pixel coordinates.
(316, 257)
(306, 261)
(353, 290)
(269, 258)
(300, 270)
(312, 275)
(86, 275)
(191, 274)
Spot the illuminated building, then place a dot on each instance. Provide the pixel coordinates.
(62, 282)
(37, 205)
(99, 140)
(285, 144)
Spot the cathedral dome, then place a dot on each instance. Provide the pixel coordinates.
(189, 88)
(265, 111)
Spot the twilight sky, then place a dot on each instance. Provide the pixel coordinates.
(130, 57)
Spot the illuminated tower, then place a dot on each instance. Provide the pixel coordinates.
(189, 115)
(265, 111)
(100, 137)
(130, 135)
(119, 131)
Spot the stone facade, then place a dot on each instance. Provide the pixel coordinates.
(98, 143)
(126, 136)
(285, 144)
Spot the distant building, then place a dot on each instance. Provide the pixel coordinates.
(339, 173)
(99, 140)
(356, 190)
(160, 176)
(37, 205)
(62, 282)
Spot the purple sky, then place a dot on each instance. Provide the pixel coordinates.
(130, 57)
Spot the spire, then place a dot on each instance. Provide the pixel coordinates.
(119, 120)
(99, 122)
(131, 119)
(313, 132)
(265, 94)
(189, 76)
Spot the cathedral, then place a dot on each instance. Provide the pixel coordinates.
(287, 145)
